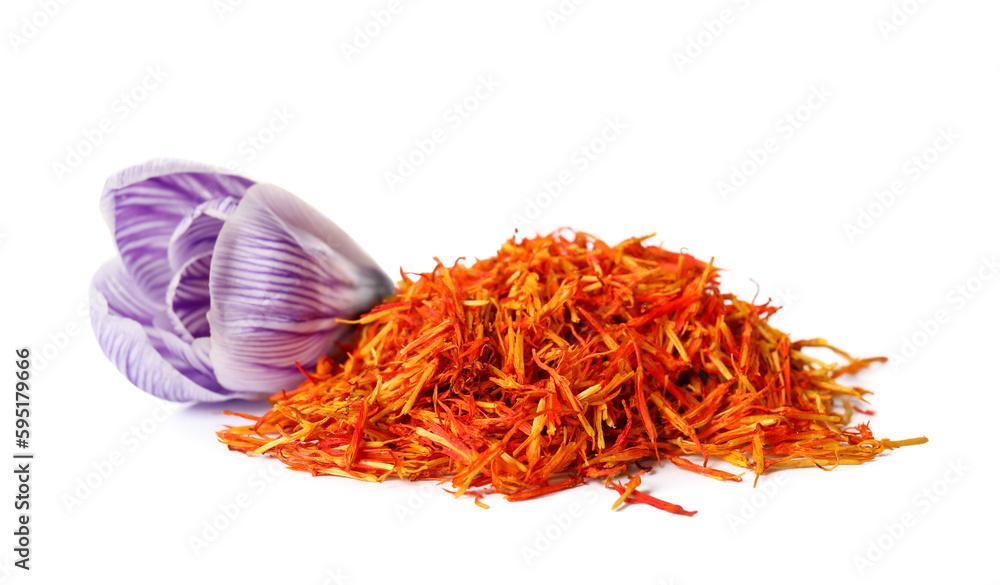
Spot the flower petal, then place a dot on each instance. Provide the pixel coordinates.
(144, 204)
(196, 233)
(157, 362)
(281, 276)
(188, 299)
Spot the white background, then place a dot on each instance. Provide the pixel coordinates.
(891, 89)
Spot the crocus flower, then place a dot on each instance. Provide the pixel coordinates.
(223, 284)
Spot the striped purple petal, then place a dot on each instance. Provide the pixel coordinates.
(144, 204)
(188, 299)
(195, 234)
(127, 326)
(281, 275)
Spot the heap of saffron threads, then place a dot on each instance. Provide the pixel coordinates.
(564, 359)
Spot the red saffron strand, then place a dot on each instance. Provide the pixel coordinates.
(561, 360)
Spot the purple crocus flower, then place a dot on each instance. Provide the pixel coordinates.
(223, 283)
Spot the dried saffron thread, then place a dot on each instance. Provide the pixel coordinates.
(561, 359)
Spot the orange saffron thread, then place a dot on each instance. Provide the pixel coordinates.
(561, 359)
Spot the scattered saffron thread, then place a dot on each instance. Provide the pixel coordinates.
(563, 359)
